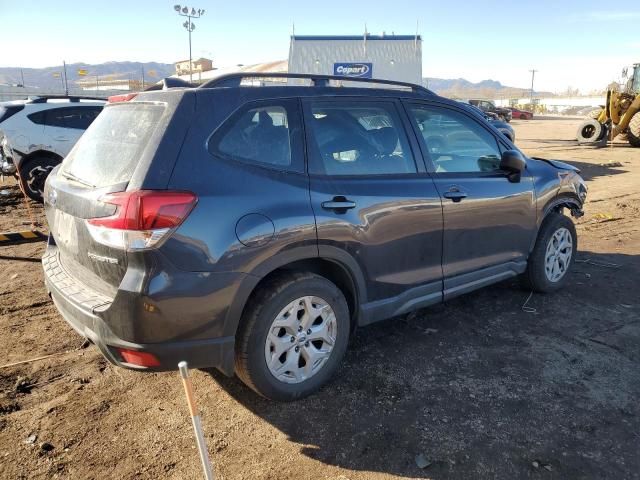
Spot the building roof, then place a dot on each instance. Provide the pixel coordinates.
(355, 37)
(199, 60)
(275, 66)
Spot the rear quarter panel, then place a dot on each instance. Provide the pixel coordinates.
(270, 209)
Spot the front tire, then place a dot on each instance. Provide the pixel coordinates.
(553, 255)
(293, 336)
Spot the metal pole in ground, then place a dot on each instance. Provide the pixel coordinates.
(195, 420)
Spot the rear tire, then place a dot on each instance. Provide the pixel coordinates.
(276, 320)
(33, 174)
(591, 131)
(549, 263)
(633, 132)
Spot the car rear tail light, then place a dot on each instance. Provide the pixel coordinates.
(142, 218)
(122, 98)
(136, 357)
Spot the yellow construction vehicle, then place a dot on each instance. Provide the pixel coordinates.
(619, 117)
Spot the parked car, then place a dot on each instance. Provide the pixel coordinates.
(521, 114)
(504, 128)
(253, 228)
(36, 134)
(489, 106)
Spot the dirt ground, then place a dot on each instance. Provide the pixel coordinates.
(481, 387)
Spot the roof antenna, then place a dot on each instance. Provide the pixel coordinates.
(415, 43)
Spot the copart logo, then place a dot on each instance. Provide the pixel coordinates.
(358, 70)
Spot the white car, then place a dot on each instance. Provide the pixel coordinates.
(36, 134)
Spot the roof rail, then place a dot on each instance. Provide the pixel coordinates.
(235, 79)
(71, 98)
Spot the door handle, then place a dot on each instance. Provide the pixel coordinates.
(455, 195)
(61, 139)
(339, 204)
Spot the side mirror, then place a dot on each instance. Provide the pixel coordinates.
(513, 163)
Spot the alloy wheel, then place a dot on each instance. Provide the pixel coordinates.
(558, 255)
(300, 339)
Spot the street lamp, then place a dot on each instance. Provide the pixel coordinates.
(184, 11)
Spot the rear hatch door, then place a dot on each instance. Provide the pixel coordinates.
(119, 151)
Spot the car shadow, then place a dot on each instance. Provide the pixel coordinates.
(589, 171)
(484, 385)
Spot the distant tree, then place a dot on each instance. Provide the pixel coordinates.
(571, 92)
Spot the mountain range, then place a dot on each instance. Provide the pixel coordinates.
(461, 88)
(49, 78)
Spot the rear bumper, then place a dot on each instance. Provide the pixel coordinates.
(82, 309)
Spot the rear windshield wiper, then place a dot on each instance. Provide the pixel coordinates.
(72, 177)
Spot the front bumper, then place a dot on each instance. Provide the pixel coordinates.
(81, 308)
(6, 164)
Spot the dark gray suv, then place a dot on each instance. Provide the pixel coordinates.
(252, 223)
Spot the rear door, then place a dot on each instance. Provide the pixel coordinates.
(374, 201)
(489, 222)
(63, 126)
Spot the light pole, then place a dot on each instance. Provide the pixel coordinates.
(533, 74)
(184, 11)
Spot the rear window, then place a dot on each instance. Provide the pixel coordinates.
(109, 150)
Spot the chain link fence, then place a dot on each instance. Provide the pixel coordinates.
(20, 93)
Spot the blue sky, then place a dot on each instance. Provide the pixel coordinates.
(583, 43)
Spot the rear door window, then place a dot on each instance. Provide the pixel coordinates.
(261, 133)
(69, 117)
(357, 138)
(108, 152)
(39, 118)
(80, 117)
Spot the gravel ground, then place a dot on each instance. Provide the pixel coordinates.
(481, 387)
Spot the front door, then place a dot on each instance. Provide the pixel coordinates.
(374, 202)
(489, 222)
